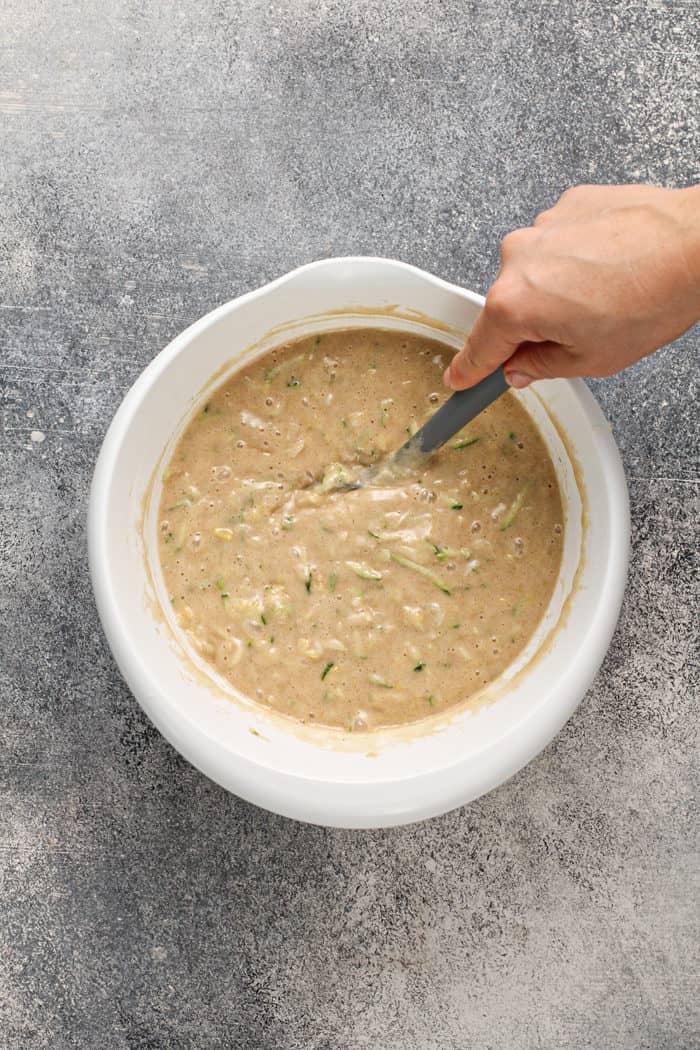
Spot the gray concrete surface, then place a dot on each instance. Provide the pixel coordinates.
(156, 159)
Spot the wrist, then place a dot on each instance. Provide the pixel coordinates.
(688, 219)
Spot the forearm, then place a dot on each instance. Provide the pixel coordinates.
(689, 222)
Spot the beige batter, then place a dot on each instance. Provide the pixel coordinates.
(368, 608)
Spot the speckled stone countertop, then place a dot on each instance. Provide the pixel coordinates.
(157, 159)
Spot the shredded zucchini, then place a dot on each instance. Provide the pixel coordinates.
(385, 406)
(416, 529)
(515, 507)
(442, 553)
(364, 571)
(180, 537)
(380, 682)
(272, 373)
(335, 477)
(451, 501)
(406, 563)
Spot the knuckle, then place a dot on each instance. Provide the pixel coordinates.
(577, 193)
(498, 304)
(514, 242)
(504, 301)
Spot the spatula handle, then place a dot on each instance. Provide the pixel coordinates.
(459, 410)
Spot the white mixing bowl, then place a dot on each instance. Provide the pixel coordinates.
(319, 775)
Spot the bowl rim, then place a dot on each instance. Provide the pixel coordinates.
(540, 726)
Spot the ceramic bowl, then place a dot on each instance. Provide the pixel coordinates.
(320, 775)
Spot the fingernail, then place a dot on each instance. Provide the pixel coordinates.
(518, 380)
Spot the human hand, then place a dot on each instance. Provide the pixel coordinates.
(605, 277)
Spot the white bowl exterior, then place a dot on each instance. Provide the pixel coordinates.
(392, 777)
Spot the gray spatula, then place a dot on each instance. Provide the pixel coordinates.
(460, 409)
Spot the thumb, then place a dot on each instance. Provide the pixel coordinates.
(489, 343)
(546, 360)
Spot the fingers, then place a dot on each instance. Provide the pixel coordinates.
(495, 336)
(546, 360)
(487, 347)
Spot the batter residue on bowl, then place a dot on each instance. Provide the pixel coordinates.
(367, 608)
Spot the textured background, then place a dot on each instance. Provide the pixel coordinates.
(157, 159)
